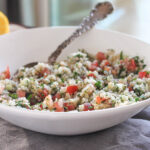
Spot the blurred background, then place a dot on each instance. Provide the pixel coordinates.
(130, 16)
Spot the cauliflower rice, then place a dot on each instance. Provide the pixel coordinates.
(81, 82)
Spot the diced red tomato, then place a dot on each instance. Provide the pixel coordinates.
(83, 77)
(131, 66)
(130, 88)
(88, 106)
(6, 73)
(92, 75)
(41, 106)
(144, 74)
(72, 89)
(100, 56)
(104, 63)
(43, 93)
(57, 95)
(21, 93)
(93, 66)
(100, 99)
(69, 106)
(58, 108)
(95, 63)
(45, 72)
(107, 63)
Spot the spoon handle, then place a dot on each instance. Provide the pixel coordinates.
(100, 12)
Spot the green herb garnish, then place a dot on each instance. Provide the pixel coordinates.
(136, 59)
(137, 99)
(79, 56)
(113, 104)
(138, 92)
(62, 79)
(90, 107)
(75, 74)
(143, 66)
(122, 69)
(13, 95)
(42, 85)
(98, 85)
(59, 75)
(29, 97)
(54, 90)
(19, 103)
(121, 55)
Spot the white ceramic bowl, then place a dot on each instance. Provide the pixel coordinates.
(21, 47)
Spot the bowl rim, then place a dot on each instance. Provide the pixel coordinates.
(74, 27)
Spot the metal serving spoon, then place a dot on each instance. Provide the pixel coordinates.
(100, 12)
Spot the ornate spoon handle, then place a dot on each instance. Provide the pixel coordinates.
(100, 12)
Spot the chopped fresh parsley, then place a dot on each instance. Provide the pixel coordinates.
(59, 75)
(143, 66)
(29, 97)
(136, 99)
(138, 92)
(42, 85)
(121, 55)
(13, 95)
(90, 107)
(98, 85)
(113, 104)
(19, 103)
(79, 56)
(122, 69)
(75, 74)
(62, 79)
(136, 59)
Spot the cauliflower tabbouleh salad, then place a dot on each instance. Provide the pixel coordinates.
(79, 83)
